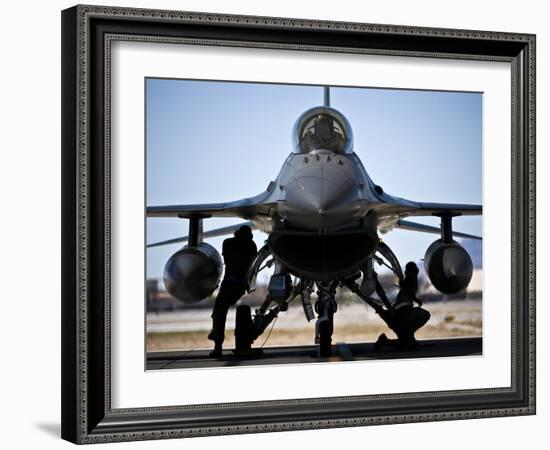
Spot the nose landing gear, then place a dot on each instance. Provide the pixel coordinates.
(325, 307)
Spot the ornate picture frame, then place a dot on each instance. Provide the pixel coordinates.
(88, 33)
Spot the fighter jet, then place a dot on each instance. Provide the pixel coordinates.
(324, 217)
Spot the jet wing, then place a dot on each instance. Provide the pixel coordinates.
(206, 234)
(247, 208)
(413, 226)
(434, 209)
(185, 211)
(391, 210)
(388, 207)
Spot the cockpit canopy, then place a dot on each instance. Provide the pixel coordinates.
(322, 128)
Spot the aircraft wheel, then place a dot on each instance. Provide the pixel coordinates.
(243, 328)
(325, 339)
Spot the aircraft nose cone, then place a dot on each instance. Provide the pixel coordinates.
(320, 196)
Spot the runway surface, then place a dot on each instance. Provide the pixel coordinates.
(308, 354)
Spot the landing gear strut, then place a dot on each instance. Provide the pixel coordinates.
(280, 293)
(325, 308)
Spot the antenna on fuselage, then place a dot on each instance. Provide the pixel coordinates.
(326, 90)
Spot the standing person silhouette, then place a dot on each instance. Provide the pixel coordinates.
(238, 252)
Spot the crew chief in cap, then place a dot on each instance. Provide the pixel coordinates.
(238, 252)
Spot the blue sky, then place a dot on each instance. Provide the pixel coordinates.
(221, 141)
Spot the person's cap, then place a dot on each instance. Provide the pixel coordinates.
(411, 267)
(244, 232)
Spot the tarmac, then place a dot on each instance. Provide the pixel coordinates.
(433, 348)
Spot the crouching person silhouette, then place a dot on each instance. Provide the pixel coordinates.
(404, 318)
(238, 252)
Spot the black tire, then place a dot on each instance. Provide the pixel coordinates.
(243, 328)
(325, 339)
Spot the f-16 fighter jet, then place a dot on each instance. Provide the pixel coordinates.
(323, 215)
